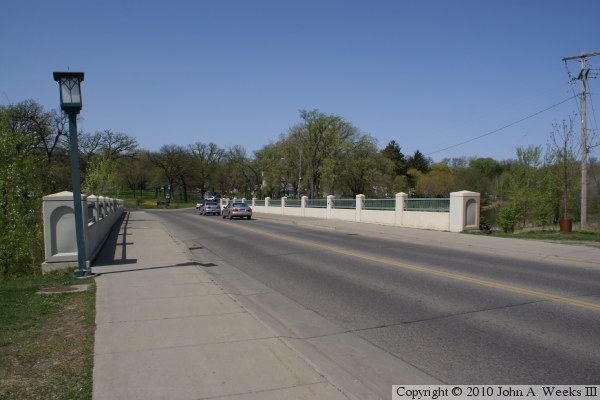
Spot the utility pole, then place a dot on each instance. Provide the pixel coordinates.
(584, 149)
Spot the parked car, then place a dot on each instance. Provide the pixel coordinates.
(210, 207)
(237, 210)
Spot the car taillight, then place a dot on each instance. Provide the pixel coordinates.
(235, 210)
(249, 209)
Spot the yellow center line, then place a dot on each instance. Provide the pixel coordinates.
(430, 271)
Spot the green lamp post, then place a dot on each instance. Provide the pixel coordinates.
(70, 103)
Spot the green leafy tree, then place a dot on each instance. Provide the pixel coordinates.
(509, 216)
(362, 172)
(419, 162)
(438, 182)
(323, 139)
(393, 152)
(417, 165)
(522, 182)
(101, 177)
(22, 177)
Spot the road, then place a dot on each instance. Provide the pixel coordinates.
(445, 315)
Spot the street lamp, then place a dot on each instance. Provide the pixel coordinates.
(70, 103)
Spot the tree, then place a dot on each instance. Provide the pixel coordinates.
(562, 153)
(176, 165)
(101, 176)
(207, 159)
(29, 119)
(267, 158)
(112, 144)
(323, 138)
(524, 186)
(46, 134)
(438, 182)
(22, 178)
(101, 151)
(240, 172)
(509, 216)
(482, 176)
(362, 168)
(393, 153)
(416, 165)
(419, 162)
(135, 172)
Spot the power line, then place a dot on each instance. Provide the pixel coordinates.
(592, 103)
(504, 127)
(583, 77)
(571, 81)
(593, 113)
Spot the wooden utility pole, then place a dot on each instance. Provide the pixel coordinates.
(584, 149)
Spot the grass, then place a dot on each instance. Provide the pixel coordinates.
(550, 235)
(46, 341)
(153, 204)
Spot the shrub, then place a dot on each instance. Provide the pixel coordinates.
(485, 226)
(509, 216)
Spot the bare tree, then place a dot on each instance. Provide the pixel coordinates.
(207, 158)
(176, 164)
(563, 149)
(135, 172)
(107, 143)
(45, 130)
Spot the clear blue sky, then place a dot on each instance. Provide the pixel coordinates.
(428, 74)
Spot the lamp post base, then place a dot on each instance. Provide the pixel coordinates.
(82, 274)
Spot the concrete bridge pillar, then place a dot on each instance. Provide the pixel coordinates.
(464, 211)
(59, 230)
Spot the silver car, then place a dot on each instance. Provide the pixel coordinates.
(237, 210)
(210, 207)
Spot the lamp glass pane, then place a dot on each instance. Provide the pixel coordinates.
(69, 91)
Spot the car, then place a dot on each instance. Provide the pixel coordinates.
(210, 207)
(237, 209)
(199, 206)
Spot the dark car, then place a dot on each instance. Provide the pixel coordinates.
(210, 207)
(237, 210)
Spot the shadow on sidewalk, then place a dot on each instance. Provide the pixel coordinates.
(114, 250)
(185, 264)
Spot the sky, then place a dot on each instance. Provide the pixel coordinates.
(428, 74)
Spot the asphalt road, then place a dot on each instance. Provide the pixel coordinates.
(459, 317)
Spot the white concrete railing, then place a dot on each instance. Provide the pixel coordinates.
(463, 214)
(99, 215)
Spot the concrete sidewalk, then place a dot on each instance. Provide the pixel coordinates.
(165, 330)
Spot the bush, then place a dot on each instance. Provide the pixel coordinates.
(508, 217)
(485, 226)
